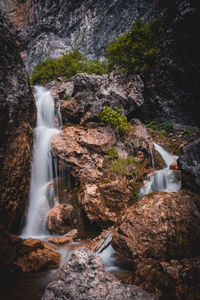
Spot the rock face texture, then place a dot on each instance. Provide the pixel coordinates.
(83, 277)
(88, 93)
(171, 88)
(35, 255)
(17, 116)
(188, 163)
(55, 27)
(161, 227)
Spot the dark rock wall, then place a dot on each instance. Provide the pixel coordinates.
(17, 116)
(172, 87)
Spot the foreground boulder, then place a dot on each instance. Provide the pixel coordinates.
(189, 164)
(155, 231)
(83, 277)
(35, 255)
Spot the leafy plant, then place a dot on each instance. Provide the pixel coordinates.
(136, 50)
(112, 153)
(115, 118)
(66, 67)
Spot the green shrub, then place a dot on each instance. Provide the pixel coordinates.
(115, 118)
(123, 166)
(66, 67)
(112, 153)
(136, 50)
(164, 127)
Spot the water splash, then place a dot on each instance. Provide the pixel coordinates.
(162, 180)
(42, 171)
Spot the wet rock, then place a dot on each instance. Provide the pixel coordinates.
(17, 117)
(67, 238)
(35, 255)
(103, 203)
(61, 219)
(83, 277)
(189, 164)
(87, 94)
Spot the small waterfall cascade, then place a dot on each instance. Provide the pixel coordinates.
(42, 172)
(162, 180)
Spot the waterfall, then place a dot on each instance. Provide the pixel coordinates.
(42, 171)
(162, 180)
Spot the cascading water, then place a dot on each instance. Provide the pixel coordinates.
(162, 180)
(41, 165)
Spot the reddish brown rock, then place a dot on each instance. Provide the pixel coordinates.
(67, 238)
(35, 255)
(82, 150)
(159, 228)
(60, 219)
(104, 202)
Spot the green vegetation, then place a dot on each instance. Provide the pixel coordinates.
(66, 67)
(115, 118)
(136, 50)
(164, 128)
(112, 153)
(124, 166)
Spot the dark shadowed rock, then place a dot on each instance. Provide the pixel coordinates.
(189, 164)
(17, 115)
(83, 277)
(87, 94)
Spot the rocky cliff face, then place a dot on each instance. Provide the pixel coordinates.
(17, 116)
(55, 27)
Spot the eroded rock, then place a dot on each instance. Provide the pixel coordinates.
(67, 238)
(83, 277)
(35, 255)
(189, 164)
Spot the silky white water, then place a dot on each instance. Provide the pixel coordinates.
(162, 180)
(41, 164)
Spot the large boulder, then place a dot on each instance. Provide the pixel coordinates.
(35, 255)
(87, 94)
(156, 231)
(159, 226)
(83, 277)
(82, 150)
(189, 164)
(104, 202)
(61, 219)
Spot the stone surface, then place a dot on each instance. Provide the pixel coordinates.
(189, 164)
(35, 255)
(103, 203)
(88, 93)
(67, 238)
(163, 218)
(83, 150)
(158, 229)
(17, 116)
(60, 219)
(53, 28)
(83, 277)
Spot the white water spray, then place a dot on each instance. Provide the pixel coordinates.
(42, 171)
(162, 180)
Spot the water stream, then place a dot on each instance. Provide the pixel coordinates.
(162, 180)
(42, 171)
